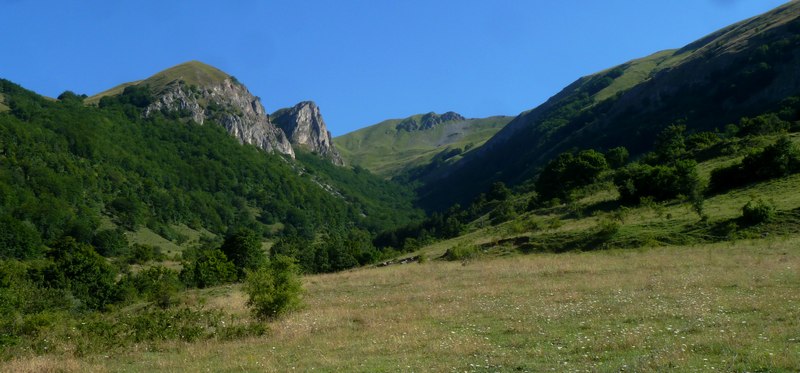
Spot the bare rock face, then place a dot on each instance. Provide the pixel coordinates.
(304, 126)
(228, 103)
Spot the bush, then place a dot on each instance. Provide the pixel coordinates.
(461, 252)
(777, 160)
(607, 228)
(617, 157)
(757, 211)
(504, 211)
(274, 289)
(660, 183)
(157, 284)
(141, 254)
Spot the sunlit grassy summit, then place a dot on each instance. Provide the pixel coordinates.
(192, 73)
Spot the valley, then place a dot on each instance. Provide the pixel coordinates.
(644, 218)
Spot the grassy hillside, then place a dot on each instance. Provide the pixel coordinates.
(3, 106)
(192, 72)
(387, 150)
(742, 70)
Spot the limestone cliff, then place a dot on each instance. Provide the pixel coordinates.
(304, 126)
(203, 93)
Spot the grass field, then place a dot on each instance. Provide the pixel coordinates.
(3, 106)
(722, 307)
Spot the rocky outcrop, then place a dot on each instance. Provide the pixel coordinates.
(428, 121)
(229, 104)
(304, 126)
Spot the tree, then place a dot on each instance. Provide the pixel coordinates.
(243, 248)
(498, 192)
(210, 268)
(274, 289)
(82, 271)
(660, 182)
(18, 240)
(71, 97)
(110, 242)
(670, 145)
(617, 157)
(570, 171)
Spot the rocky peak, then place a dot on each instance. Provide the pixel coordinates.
(304, 126)
(428, 121)
(201, 92)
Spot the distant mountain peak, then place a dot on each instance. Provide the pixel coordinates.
(192, 73)
(304, 126)
(428, 121)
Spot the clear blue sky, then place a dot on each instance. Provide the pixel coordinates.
(362, 61)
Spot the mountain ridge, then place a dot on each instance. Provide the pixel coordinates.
(392, 146)
(201, 92)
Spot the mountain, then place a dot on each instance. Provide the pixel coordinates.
(742, 70)
(70, 169)
(304, 126)
(201, 93)
(393, 146)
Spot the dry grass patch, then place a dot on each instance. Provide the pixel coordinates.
(727, 307)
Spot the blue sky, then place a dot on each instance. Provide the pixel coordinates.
(362, 61)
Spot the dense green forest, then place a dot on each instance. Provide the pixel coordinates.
(65, 164)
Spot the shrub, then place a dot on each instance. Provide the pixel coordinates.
(777, 160)
(140, 254)
(660, 183)
(617, 157)
(461, 252)
(504, 211)
(157, 284)
(274, 289)
(757, 211)
(607, 228)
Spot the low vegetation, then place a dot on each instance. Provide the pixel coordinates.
(727, 307)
